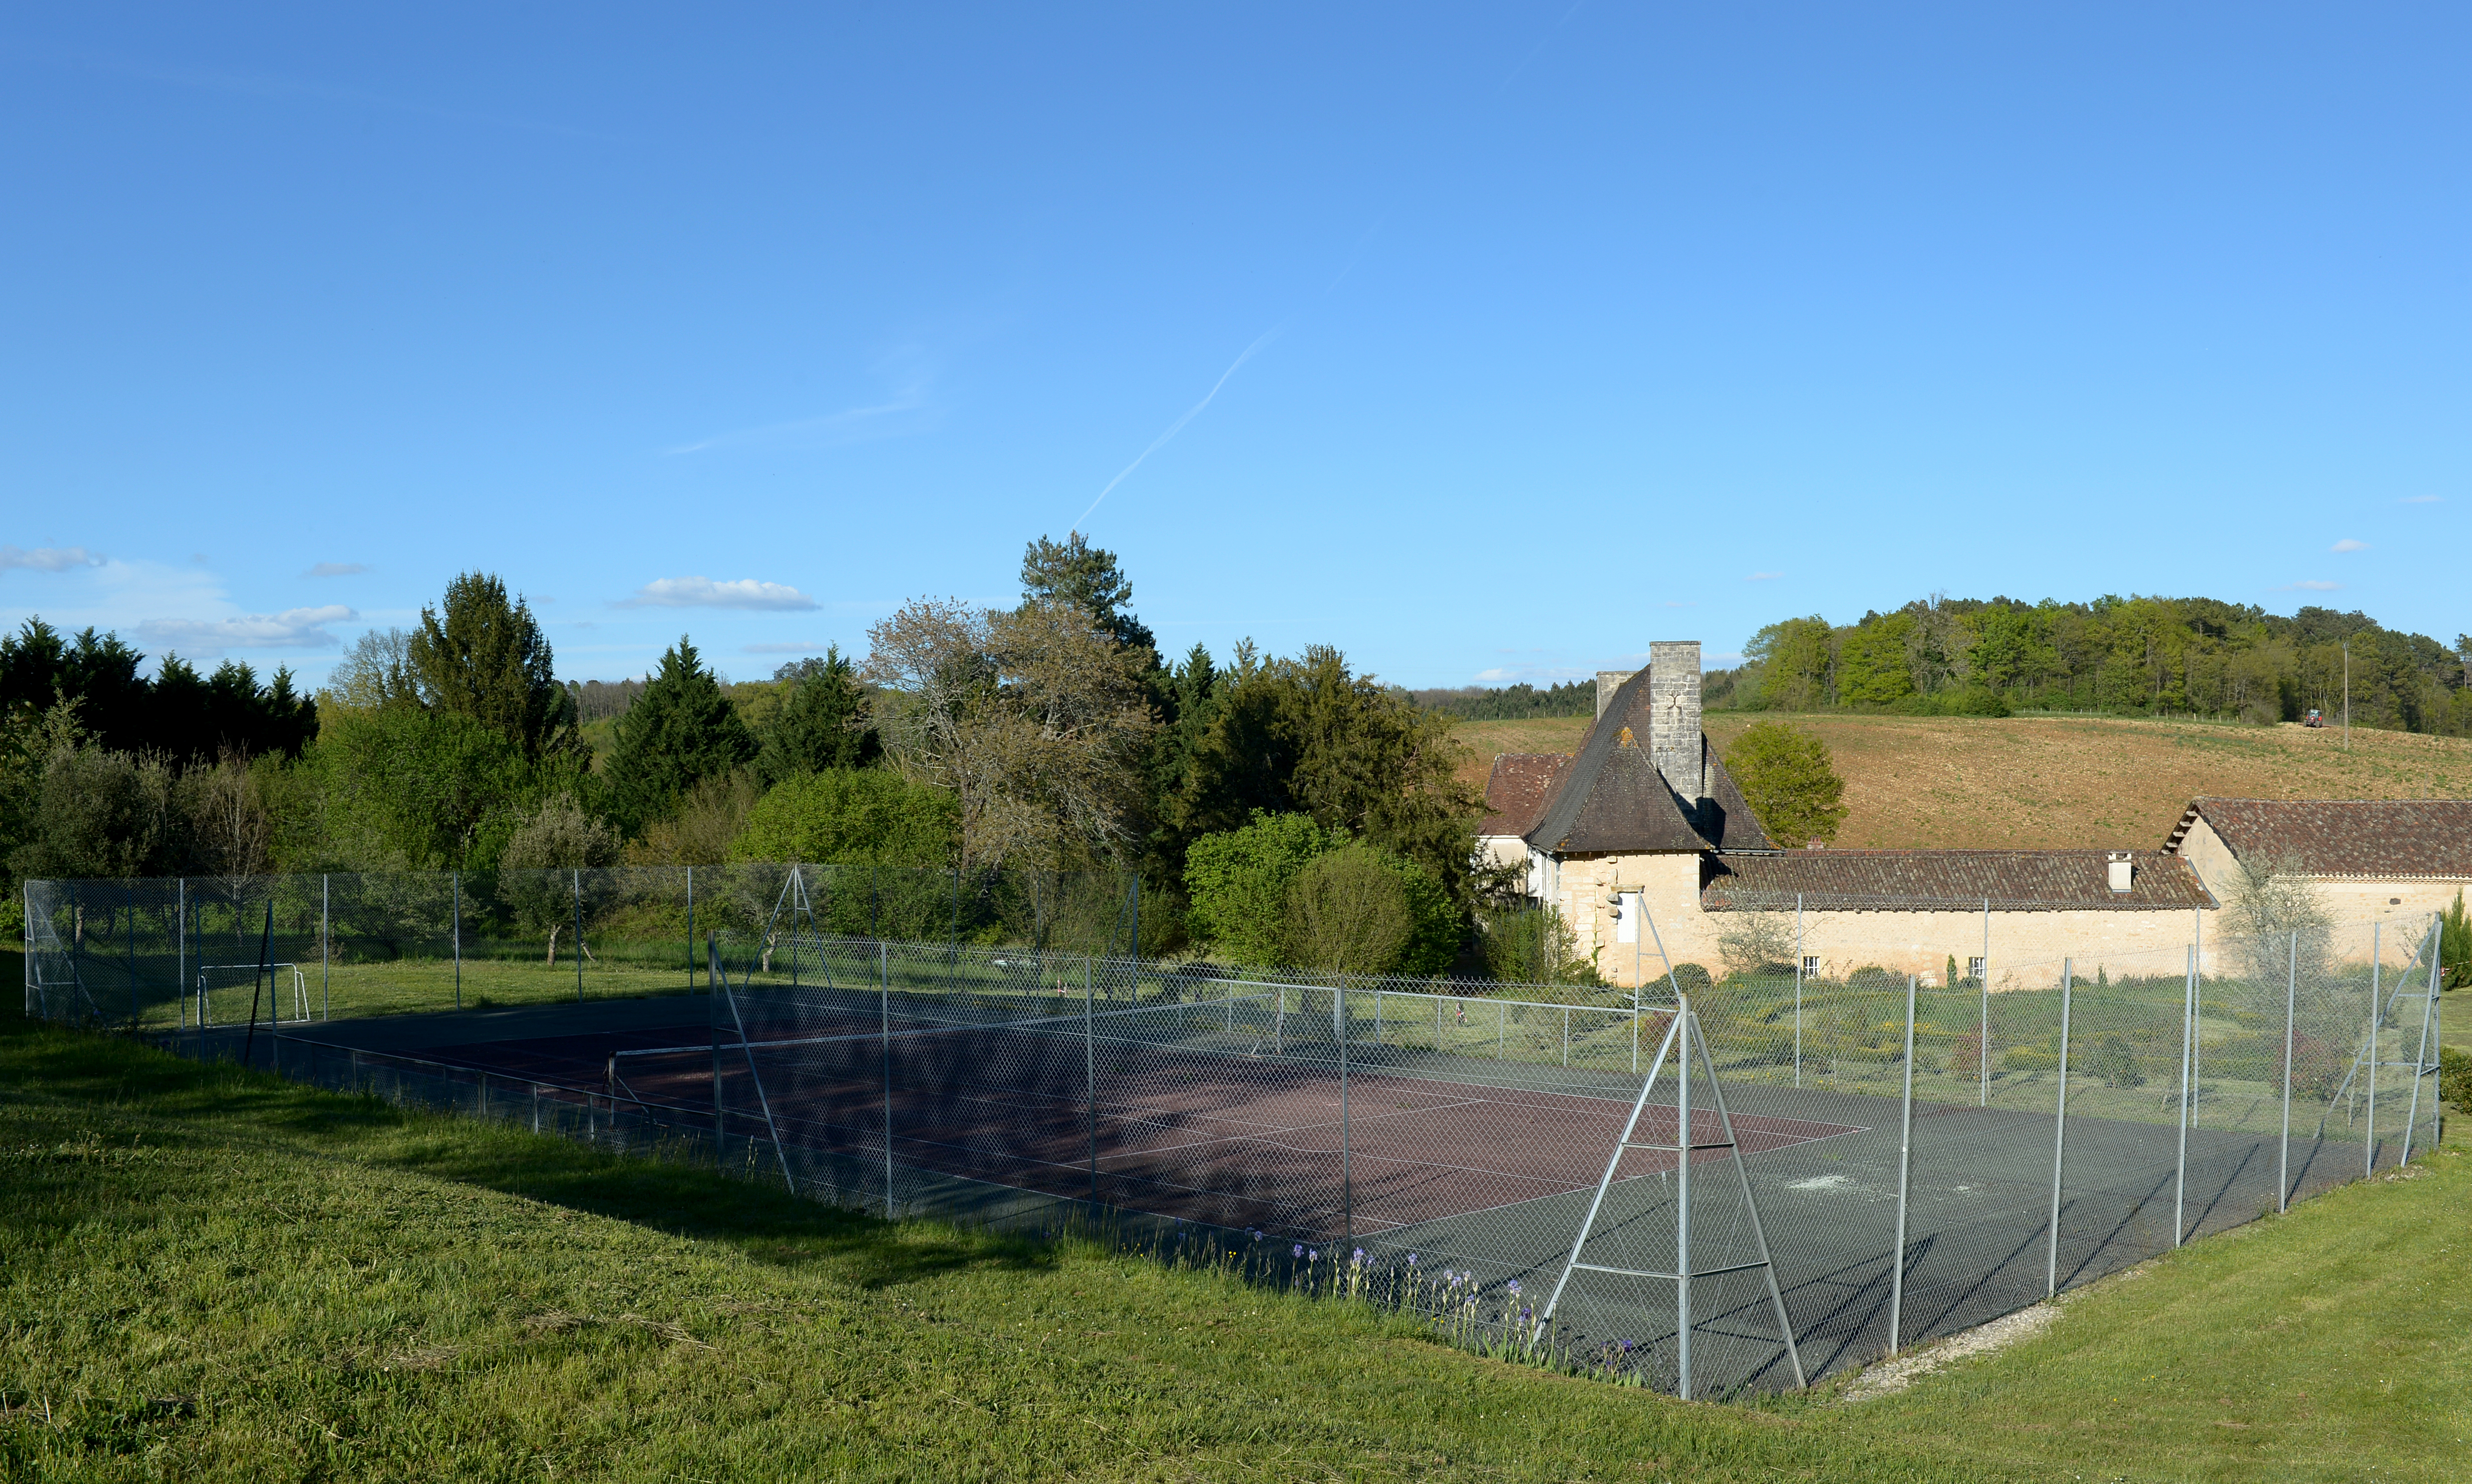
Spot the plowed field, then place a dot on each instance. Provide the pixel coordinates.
(2057, 782)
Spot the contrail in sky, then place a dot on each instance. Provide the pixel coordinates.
(1178, 425)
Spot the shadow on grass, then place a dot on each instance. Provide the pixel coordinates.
(85, 1075)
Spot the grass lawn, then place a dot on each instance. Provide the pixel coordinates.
(208, 1274)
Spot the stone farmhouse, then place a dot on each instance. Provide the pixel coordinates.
(1641, 837)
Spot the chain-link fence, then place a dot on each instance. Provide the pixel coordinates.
(1899, 1159)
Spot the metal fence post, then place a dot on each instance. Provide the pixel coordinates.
(135, 1015)
(1905, 1172)
(1982, 1034)
(2188, 1034)
(1346, 1150)
(1501, 1028)
(712, 1017)
(179, 948)
(2059, 1135)
(1090, 1070)
(2437, 1037)
(325, 953)
(454, 880)
(2290, 1001)
(1798, 990)
(1683, 1202)
(884, 1006)
(2421, 1054)
(690, 930)
(579, 937)
(2377, 1018)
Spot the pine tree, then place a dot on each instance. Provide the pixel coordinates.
(680, 732)
(825, 722)
(488, 659)
(1075, 572)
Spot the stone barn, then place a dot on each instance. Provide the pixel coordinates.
(1641, 836)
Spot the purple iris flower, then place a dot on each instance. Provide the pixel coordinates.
(1299, 1250)
(1514, 1285)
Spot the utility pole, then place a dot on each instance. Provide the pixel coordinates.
(2347, 696)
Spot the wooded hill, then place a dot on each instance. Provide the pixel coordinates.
(2127, 656)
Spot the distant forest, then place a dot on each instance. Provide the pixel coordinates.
(1512, 703)
(2127, 656)
(2121, 657)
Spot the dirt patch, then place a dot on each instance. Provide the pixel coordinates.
(1895, 1375)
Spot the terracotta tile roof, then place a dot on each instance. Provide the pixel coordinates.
(1924, 880)
(2380, 840)
(1516, 792)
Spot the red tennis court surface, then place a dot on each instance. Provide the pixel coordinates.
(1216, 1136)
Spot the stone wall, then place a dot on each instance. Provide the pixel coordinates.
(2025, 949)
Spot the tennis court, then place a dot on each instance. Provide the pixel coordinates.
(1235, 1115)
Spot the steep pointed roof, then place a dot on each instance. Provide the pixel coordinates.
(1612, 798)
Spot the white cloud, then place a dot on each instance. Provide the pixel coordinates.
(1508, 674)
(336, 569)
(48, 559)
(2309, 587)
(706, 592)
(2347, 544)
(293, 629)
(1766, 576)
(799, 648)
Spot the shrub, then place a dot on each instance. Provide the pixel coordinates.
(1534, 945)
(1239, 881)
(2115, 1063)
(1347, 912)
(860, 816)
(2455, 1078)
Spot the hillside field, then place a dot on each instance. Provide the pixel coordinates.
(2055, 782)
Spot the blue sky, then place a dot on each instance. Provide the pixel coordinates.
(1519, 334)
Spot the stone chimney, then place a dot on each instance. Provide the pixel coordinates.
(1673, 742)
(2121, 869)
(1608, 681)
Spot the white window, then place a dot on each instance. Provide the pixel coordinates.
(1974, 970)
(1811, 966)
(1628, 912)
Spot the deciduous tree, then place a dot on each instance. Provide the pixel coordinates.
(1790, 781)
(1035, 719)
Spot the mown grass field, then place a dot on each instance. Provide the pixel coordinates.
(2055, 782)
(211, 1275)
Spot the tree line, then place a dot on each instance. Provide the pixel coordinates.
(1047, 734)
(2135, 655)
